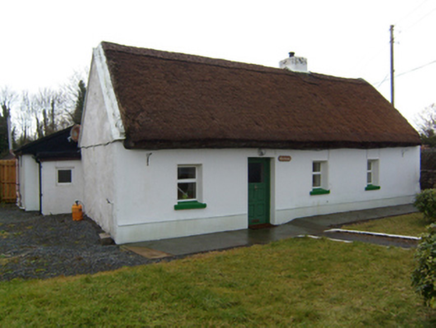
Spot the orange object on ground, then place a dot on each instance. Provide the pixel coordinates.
(77, 212)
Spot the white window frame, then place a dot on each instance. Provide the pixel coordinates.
(372, 169)
(196, 180)
(322, 173)
(64, 169)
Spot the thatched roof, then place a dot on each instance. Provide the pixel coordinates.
(172, 100)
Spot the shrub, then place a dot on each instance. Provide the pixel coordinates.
(425, 202)
(424, 275)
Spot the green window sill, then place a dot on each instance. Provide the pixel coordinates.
(372, 187)
(319, 191)
(189, 205)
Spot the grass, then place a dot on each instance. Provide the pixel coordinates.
(408, 225)
(297, 282)
(4, 234)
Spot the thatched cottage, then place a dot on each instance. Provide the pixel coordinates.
(176, 145)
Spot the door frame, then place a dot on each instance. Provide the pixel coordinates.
(267, 180)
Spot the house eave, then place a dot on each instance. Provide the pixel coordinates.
(235, 144)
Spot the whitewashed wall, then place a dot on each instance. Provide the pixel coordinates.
(97, 155)
(99, 185)
(145, 195)
(28, 175)
(399, 170)
(57, 198)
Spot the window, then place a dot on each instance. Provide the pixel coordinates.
(255, 172)
(319, 178)
(65, 176)
(372, 178)
(316, 175)
(186, 183)
(188, 187)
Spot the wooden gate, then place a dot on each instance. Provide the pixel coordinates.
(8, 181)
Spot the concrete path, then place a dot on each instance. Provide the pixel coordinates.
(314, 225)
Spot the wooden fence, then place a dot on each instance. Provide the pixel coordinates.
(8, 181)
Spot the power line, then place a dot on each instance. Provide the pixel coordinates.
(411, 12)
(364, 62)
(422, 18)
(403, 30)
(383, 81)
(406, 29)
(416, 68)
(403, 73)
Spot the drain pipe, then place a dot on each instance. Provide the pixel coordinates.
(17, 181)
(40, 183)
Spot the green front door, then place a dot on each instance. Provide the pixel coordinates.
(258, 191)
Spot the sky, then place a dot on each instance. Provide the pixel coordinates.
(43, 43)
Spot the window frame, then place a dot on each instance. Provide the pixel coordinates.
(190, 203)
(188, 180)
(58, 169)
(372, 169)
(322, 174)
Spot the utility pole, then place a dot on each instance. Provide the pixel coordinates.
(392, 66)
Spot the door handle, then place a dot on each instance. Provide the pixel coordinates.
(255, 187)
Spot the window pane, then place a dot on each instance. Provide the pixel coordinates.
(369, 165)
(64, 176)
(186, 191)
(369, 178)
(185, 173)
(316, 180)
(316, 167)
(255, 173)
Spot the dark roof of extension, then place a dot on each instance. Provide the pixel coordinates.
(173, 100)
(55, 146)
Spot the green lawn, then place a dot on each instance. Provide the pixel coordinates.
(409, 225)
(298, 282)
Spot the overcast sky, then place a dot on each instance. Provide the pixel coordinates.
(44, 42)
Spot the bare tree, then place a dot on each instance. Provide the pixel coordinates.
(74, 91)
(48, 111)
(48, 106)
(427, 125)
(24, 119)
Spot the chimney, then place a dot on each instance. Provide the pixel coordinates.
(295, 64)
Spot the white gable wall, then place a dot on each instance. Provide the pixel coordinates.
(96, 129)
(97, 143)
(145, 195)
(57, 198)
(28, 183)
(99, 188)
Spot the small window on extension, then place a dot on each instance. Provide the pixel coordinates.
(65, 176)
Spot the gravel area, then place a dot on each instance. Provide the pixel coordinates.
(33, 246)
(36, 246)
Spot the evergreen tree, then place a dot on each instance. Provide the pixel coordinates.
(4, 145)
(80, 102)
(6, 99)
